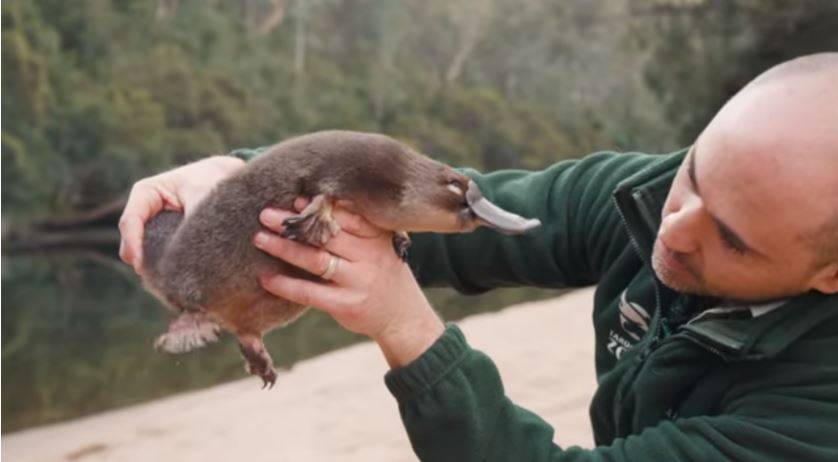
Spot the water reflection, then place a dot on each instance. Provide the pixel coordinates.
(78, 335)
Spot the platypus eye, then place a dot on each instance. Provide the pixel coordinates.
(455, 188)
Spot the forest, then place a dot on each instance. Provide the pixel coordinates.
(100, 93)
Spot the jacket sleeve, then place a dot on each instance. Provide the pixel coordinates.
(581, 228)
(454, 408)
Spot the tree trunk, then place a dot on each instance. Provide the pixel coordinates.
(273, 19)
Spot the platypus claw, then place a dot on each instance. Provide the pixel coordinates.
(257, 360)
(307, 229)
(314, 225)
(268, 379)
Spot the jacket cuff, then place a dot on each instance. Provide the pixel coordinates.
(246, 154)
(432, 366)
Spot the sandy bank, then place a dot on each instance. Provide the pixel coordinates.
(335, 406)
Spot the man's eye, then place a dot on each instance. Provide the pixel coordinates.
(730, 245)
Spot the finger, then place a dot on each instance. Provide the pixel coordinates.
(355, 224)
(359, 238)
(143, 203)
(323, 296)
(300, 203)
(355, 248)
(131, 237)
(311, 259)
(272, 218)
(348, 221)
(346, 245)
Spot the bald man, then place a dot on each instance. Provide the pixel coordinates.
(716, 313)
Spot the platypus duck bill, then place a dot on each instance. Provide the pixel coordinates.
(496, 217)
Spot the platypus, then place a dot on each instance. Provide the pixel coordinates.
(205, 268)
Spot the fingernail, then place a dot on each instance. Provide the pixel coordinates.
(271, 217)
(137, 264)
(261, 239)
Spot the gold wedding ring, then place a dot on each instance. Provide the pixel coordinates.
(330, 270)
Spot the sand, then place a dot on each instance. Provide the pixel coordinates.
(335, 406)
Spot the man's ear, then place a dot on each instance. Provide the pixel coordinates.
(826, 279)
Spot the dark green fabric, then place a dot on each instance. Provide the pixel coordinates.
(246, 154)
(719, 388)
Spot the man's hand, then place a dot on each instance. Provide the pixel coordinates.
(371, 292)
(179, 190)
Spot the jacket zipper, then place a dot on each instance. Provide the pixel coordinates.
(656, 319)
(653, 342)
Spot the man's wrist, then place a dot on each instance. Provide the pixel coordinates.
(440, 360)
(408, 341)
(246, 154)
(228, 161)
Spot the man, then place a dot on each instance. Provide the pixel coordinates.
(716, 310)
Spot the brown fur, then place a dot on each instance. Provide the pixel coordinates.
(207, 262)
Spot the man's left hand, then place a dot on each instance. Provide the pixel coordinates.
(371, 291)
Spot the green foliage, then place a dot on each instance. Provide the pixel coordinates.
(714, 47)
(99, 93)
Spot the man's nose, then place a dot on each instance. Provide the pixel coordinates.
(681, 228)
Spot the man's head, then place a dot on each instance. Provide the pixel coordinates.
(753, 211)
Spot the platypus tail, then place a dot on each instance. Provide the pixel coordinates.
(158, 232)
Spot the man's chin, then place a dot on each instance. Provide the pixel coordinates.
(670, 278)
(671, 281)
(678, 286)
(687, 289)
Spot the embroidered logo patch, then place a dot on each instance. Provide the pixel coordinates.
(634, 319)
(617, 344)
(634, 322)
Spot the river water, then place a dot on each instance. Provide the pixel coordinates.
(78, 334)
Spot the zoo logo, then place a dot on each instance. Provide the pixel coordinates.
(634, 321)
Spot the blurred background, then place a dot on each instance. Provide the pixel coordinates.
(100, 93)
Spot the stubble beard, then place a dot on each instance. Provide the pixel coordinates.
(696, 285)
(671, 279)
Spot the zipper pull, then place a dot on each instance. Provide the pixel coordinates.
(650, 347)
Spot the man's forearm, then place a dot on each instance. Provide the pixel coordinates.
(403, 343)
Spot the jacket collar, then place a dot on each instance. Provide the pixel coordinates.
(640, 199)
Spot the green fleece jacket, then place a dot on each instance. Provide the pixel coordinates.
(679, 378)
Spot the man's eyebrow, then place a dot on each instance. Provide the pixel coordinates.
(691, 170)
(726, 231)
(731, 236)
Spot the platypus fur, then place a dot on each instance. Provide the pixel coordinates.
(205, 267)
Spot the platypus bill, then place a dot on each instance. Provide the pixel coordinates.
(205, 267)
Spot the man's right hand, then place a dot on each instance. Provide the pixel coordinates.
(179, 190)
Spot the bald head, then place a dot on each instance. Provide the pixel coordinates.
(824, 66)
(752, 213)
(819, 63)
(783, 127)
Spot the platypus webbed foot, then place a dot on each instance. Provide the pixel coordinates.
(314, 225)
(187, 332)
(257, 359)
(401, 244)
